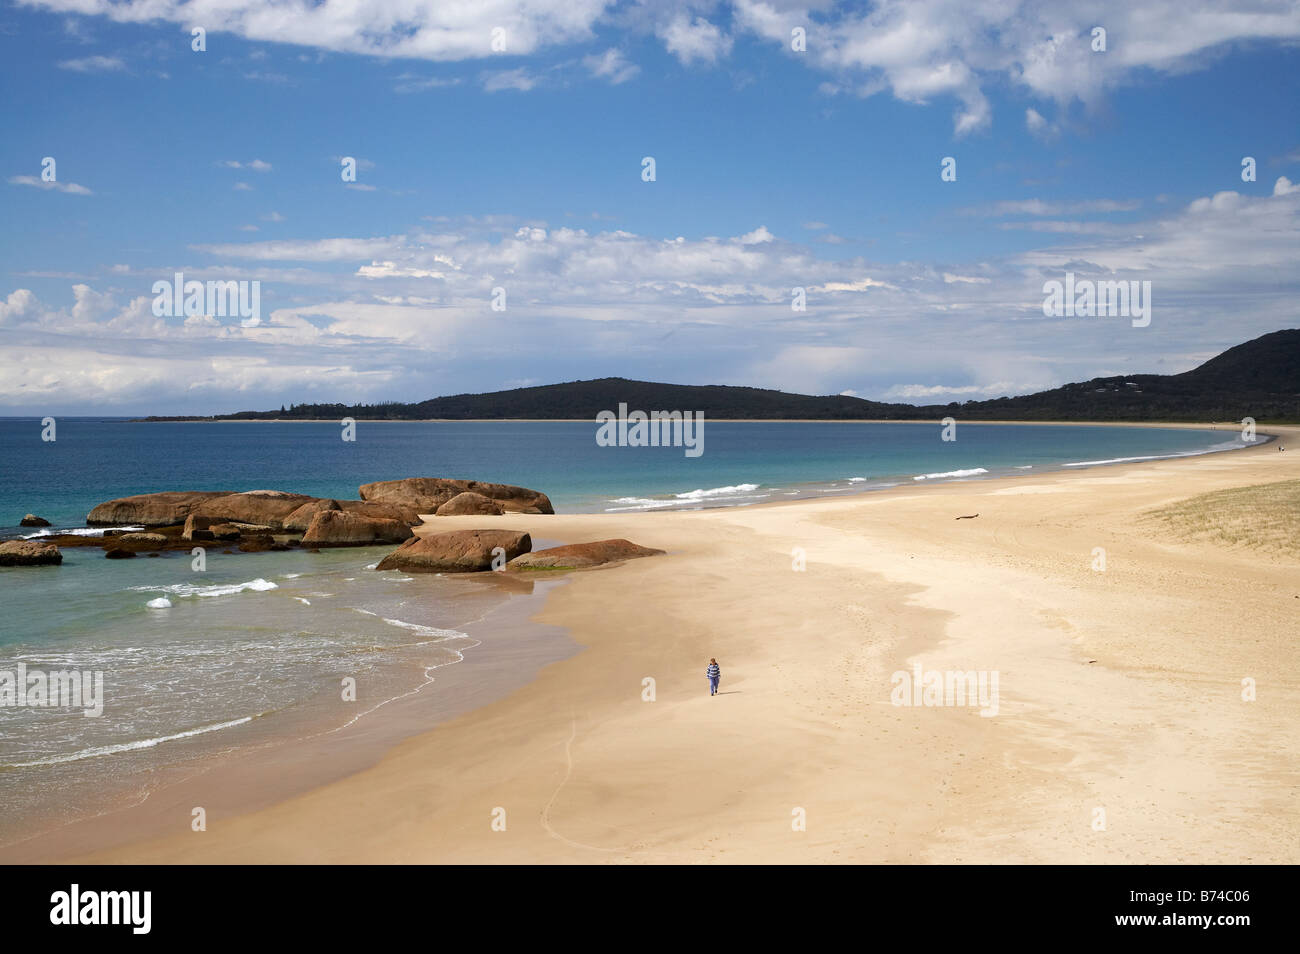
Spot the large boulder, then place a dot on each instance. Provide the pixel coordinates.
(427, 494)
(151, 510)
(31, 520)
(577, 555)
(470, 503)
(267, 508)
(302, 517)
(337, 528)
(29, 553)
(460, 551)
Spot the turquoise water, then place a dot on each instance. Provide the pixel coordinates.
(255, 645)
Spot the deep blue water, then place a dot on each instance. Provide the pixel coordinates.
(96, 460)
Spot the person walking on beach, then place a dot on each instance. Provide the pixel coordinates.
(714, 674)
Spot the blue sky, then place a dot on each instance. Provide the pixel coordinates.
(521, 169)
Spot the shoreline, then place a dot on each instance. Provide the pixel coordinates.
(509, 648)
(705, 599)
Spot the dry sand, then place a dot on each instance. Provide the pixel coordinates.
(1120, 692)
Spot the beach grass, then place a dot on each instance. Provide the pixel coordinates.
(1264, 517)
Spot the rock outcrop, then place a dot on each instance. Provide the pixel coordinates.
(151, 510)
(459, 551)
(470, 503)
(337, 528)
(269, 508)
(31, 520)
(427, 494)
(578, 555)
(301, 518)
(29, 553)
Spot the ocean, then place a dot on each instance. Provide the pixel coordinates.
(256, 647)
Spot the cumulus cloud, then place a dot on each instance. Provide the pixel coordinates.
(694, 40)
(422, 29)
(408, 315)
(918, 50)
(923, 49)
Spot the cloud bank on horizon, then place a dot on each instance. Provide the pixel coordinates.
(498, 225)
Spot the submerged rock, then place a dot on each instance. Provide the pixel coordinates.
(459, 551)
(142, 541)
(578, 555)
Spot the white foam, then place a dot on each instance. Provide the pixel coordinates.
(184, 590)
(161, 602)
(130, 746)
(1119, 460)
(432, 631)
(716, 492)
(969, 472)
(75, 532)
(303, 601)
(1222, 446)
(638, 503)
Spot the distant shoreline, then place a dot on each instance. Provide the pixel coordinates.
(717, 420)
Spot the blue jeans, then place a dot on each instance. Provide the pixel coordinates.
(713, 685)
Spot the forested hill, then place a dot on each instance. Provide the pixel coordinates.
(1259, 379)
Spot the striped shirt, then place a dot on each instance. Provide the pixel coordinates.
(713, 672)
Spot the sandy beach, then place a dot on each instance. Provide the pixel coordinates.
(1121, 733)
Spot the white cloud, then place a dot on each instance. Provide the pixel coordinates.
(920, 49)
(403, 315)
(257, 165)
(418, 29)
(1052, 207)
(408, 83)
(611, 65)
(71, 188)
(519, 79)
(94, 64)
(694, 41)
(1284, 186)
